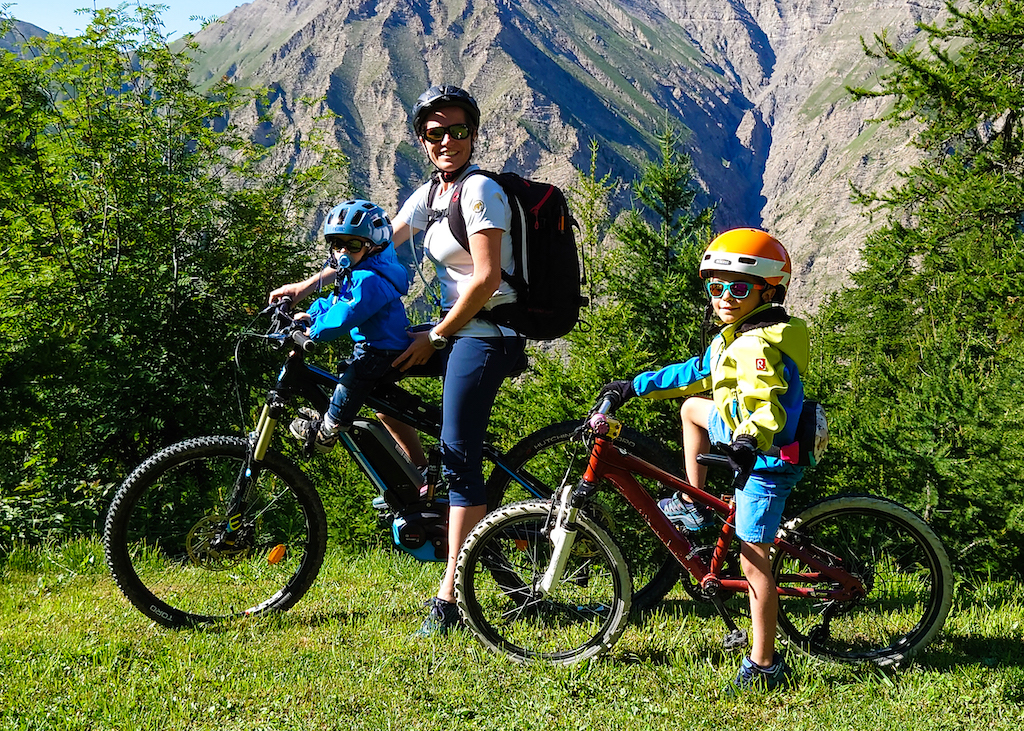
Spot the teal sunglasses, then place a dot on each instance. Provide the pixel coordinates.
(738, 290)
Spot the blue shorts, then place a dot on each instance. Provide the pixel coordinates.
(760, 503)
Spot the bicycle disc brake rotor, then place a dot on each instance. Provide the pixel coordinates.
(208, 546)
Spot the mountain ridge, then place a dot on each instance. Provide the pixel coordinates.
(758, 86)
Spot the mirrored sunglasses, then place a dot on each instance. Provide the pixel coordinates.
(455, 131)
(737, 290)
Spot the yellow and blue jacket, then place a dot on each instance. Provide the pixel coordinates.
(752, 369)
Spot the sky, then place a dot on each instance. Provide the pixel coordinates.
(58, 16)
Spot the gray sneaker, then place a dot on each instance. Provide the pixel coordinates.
(684, 514)
(306, 423)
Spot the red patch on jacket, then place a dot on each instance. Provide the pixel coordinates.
(761, 364)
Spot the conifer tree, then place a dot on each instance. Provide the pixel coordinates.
(920, 359)
(646, 300)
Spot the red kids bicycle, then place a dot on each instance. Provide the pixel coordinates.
(860, 578)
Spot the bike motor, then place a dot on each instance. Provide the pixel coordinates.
(419, 525)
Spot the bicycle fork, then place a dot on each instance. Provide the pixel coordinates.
(259, 442)
(562, 536)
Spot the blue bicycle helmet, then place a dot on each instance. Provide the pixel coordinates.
(360, 218)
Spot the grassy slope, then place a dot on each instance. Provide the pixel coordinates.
(75, 655)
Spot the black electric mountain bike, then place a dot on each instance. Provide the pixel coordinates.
(221, 526)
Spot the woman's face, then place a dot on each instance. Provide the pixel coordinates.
(449, 154)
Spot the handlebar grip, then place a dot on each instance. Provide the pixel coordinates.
(710, 460)
(303, 341)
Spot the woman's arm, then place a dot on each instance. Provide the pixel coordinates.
(485, 248)
(402, 233)
(298, 291)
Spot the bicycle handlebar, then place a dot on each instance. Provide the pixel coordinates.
(607, 404)
(285, 327)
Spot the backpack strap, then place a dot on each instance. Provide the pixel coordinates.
(457, 223)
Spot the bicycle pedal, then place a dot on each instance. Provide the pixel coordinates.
(735, 640)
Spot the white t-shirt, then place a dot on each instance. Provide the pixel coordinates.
(484, 205)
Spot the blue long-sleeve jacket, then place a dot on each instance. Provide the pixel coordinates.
(368, 307)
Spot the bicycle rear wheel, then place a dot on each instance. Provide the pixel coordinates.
(902, 564)
(544, 459)
(499, 567)
(182, 560)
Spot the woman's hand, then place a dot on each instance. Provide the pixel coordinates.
(420, 350)
(292, 291)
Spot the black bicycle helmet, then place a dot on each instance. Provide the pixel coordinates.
(437, 97)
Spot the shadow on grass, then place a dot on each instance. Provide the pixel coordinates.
(950, 651)
(959, 650)
(278, 620)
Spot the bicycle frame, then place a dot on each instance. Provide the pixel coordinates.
(314, 384)
(607, 462)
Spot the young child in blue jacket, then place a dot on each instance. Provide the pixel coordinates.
(366, 306)
(753, 370)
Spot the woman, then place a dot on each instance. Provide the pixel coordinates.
(472, 355)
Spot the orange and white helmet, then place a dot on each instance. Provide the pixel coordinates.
(748, 251)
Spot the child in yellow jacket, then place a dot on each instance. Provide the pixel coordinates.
(752, 368)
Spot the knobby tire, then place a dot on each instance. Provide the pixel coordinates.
(171, 555)
(556, 453)
(900, 561)
(500, 565)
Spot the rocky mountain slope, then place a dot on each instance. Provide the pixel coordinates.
(758, 85)
(19, 33)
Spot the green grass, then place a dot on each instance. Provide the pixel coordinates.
(75, 655)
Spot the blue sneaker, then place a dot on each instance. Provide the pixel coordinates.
(684, 514)
(752, 676)
(442, 618)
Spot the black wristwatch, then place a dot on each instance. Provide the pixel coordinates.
(438, 341)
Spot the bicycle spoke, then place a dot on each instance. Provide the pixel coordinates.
(500, 570)
(903, 570)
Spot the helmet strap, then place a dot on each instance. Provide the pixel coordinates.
(450, 176)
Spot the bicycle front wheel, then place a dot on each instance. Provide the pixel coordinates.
(182, 560)
(549, 456)
(497, 577)
(902, 564)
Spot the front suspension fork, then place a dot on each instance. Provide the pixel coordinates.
(264, 433)
(562, 535)
(259, 443)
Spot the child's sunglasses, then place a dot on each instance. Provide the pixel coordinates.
(456, 131)
(738, 290)
(351, 244)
